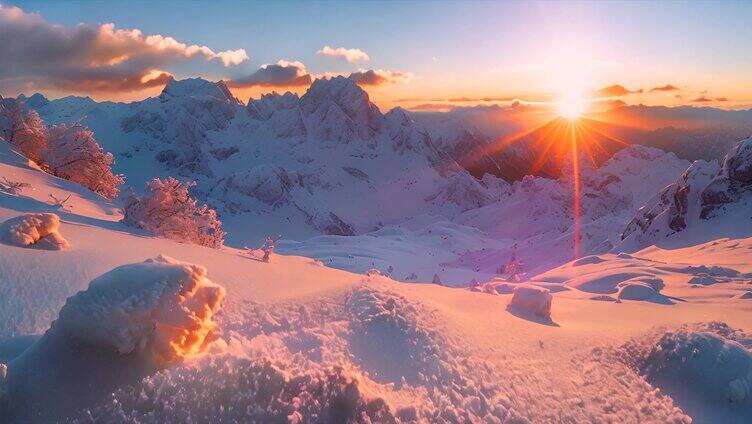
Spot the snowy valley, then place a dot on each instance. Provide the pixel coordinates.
(630, 300)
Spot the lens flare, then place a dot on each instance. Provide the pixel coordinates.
(570, 107)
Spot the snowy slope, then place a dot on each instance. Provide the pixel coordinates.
(300, 342)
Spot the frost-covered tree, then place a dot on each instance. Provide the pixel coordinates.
(23, 128)
(167, 209)
(74, 154)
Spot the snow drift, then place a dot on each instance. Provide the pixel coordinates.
(129, 323)
(39, 230)
(706, 369)
(160, 306)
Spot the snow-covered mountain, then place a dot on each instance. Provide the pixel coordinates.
(325, 163)
(328, 165)
(708, 200)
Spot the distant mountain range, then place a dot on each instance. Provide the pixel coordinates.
(330, 162)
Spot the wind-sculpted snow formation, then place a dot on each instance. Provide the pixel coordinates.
(128, 323)
(160, 308)
(38, 230)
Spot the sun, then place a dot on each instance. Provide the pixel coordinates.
(570, 107)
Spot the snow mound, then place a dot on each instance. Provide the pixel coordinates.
(705, 370)
(233, 389)
(536, 300)
(588, 260)
(496, 286)
(745, 295)
(39, 230)
(642, 290)
(161, 307)
(388, 340)
(636, 291)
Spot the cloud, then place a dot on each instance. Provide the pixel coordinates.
(420, 99)
(704, 98)
(615, 90)
(281, 74)
(432, 107)
(380, 77)
(350, 55)
(233, 57)
(87, 58)
(481, 99)
(472, 99)
(667, 87)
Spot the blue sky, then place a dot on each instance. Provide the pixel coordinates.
(458, 48)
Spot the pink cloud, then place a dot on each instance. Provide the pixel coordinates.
(87, 58)
(282, 74)
(380, 77)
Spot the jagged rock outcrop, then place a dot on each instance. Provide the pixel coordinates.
(268, 183)
(667, 212)
(704, 191)
(733, 183)
(280, 113)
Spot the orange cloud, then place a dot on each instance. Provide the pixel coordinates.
(702, 99)
(380, 77)
(667, 87)
(482, 99)
(420, 99)
(721, 99)
(615, 90)
(468, 99)
(86, 58)
(432, 107)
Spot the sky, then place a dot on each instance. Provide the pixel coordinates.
(403, 53)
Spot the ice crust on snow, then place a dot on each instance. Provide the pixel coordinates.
(160, 307)
(38, 230)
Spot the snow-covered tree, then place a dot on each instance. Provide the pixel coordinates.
(167, 209)
(23, 128)
(74, 154)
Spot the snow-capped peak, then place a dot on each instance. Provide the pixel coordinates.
(198, 87)
(264, 107)
(337, 109)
